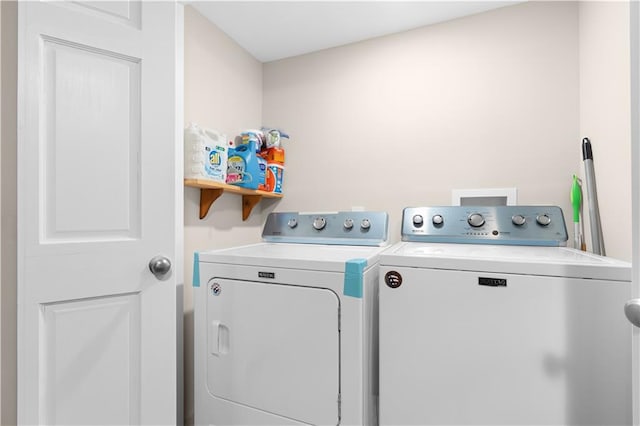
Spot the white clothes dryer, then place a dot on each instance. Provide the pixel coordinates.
(507, 329)
(286, 330)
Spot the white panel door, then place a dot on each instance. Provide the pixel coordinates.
(275, 348)
(99, 180)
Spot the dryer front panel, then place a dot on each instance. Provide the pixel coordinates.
(275, 348)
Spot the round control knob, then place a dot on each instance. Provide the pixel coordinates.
(292, 223)
(437, 220)
(518, 220)
(476, 220)
(348, 224)
(417, 220)
(365, 224)
(543, 219)
(319, 223)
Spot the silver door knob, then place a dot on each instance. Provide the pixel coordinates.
(159, 266)
(632, 311)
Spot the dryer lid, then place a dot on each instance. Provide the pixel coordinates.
(313, 257)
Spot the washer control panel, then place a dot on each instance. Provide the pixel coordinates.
(512, 225)
(345, 228)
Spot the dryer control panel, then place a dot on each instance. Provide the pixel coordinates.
(365, 228)
(512, 225)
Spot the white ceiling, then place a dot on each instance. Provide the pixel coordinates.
(272, 30)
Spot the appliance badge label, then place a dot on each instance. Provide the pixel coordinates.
(393, 279)
(270, 275)
(216, 289)
(492, 282)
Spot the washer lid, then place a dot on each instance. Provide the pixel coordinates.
(524, 260)
(294, 256)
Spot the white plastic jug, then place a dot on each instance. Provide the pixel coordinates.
(205, 154)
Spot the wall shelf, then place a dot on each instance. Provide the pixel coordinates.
(210, 191)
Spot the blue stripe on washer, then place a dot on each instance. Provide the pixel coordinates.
(196, 269)
(353, 277)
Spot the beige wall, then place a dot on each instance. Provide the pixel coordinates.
(223, 90)
(605, 117)
(486, 101)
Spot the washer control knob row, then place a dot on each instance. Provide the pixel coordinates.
(319, 223)
(518, 219)
(418, 220)
(476, 220)
(365, 224)
(543, 219)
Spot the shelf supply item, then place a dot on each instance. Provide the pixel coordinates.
(576, 203)
(273, 137)
(252, 135)
(262, 173)
(274, 155)
(592, 197)
(243, 167)
(275, 169)
(205, 154)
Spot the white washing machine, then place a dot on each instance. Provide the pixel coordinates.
(286, 330)
(507, 329)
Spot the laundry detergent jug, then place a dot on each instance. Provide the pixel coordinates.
(243, 167)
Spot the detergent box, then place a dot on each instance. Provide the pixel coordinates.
(205, 154)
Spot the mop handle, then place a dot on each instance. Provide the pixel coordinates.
(594, 213)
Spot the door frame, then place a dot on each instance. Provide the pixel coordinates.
(8, 260)
(635, 191)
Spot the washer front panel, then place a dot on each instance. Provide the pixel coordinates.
(471, 348)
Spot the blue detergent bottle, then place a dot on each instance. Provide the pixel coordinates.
(243, 167)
